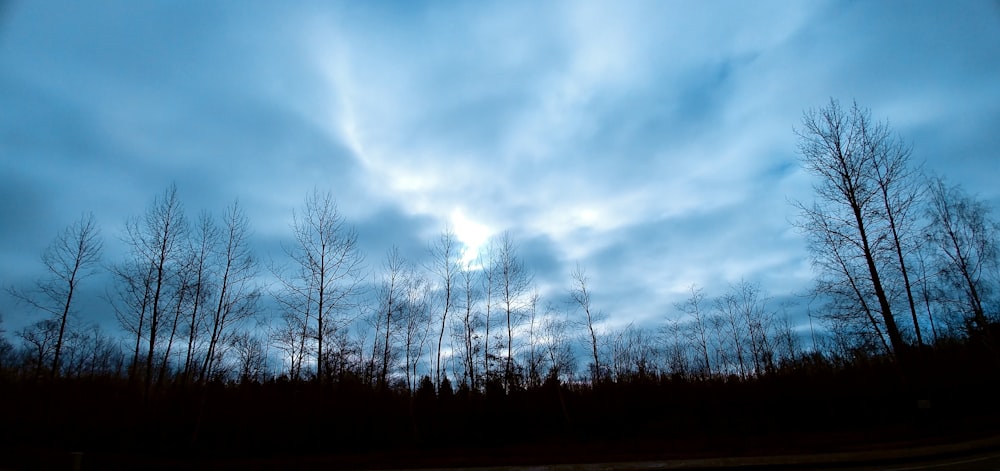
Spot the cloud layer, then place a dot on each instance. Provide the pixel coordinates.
(651, 142)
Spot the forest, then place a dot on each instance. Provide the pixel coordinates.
(342, 359)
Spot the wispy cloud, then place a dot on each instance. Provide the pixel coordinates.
(649, 141)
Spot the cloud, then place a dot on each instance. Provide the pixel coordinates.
(649, 141)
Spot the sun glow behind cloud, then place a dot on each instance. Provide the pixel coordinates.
(472, 235)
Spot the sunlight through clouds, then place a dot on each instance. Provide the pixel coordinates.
(652, 142)
(472, 235)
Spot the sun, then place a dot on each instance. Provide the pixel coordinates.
(471, 234)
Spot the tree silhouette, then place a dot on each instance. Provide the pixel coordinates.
(327, 268)
(964, 238)
(843, 149)
(514, 280)
(70, 258)
(444, 265)
(236, 291)
(156, 244)
(581, 296)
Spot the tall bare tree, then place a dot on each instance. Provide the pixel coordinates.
(514, 282)
(488, 278)
(533, 359)
(392, 292)
(202, 244)
(236, 292)
(469, 323)
(130, 299)
(70, 258)
(327, 268)
(840, 281)
(445, 265)
(179, 294)
(580, 294)
(156, 241)
(899, 191)
(415, 320)
(836, 146)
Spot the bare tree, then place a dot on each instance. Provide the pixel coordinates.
(445, 265)
(344, 354)
(40, 338)
(558, 347)
(631, 353)
(469, 324)
(290, 340)
(130, 299)
(534, 359)
(514, 282)
(697, 332)
(94, 353)
(69, 259)
(839, 280)
(925, 286)
(327, 268)
(415, 317)
(899, 192)
(733, 329)
(965, 239)
(237, 295)
(204, 242)
(403, 321)
(751, 303)
(788, 344)
(156, 245)
(251, 356)
(489, 280)
(835, 146)
(677, 343)
(581, 296)
(179, 294)
(392, 295)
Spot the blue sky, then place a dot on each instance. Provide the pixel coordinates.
(652, 142)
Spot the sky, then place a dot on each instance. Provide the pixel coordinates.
(652, 143)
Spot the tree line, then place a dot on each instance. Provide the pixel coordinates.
(903, 261)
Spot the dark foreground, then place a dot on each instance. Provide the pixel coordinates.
(970, 454)
(813, 408)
